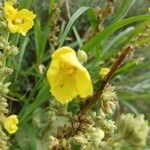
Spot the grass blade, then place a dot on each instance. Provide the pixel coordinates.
(125, 7)
(75, 16)
(96, 40)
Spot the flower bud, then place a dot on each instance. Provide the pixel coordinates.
(108, 99)
(14, 50)
(97, 137)
(3, 140)
(133, 129)
(6, 71)
(82, 56)
(79, 139)
(104, 71)
(3, 88)
(99, 134)
(53, 142)
(3, 24)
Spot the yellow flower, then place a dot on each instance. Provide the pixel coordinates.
(148, 9)
(104, 71)
(67, 77)
(10, 124)
(18, 21)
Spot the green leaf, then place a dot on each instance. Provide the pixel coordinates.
(96, 40)
(22, 49)
(25, 3)
(41, 37)
(123, 10)
(109, 49)
(112, 46)
(93, 18)
(75, 16)
(31, 136)
(28, 109)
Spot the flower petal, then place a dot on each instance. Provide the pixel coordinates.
(83, 82)
(61, 51)
(25, 13)
(64, 90)
(9, 11)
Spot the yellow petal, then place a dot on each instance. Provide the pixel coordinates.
(27, 18)
(23, 33)
(67, 77)
(12, 129)
(61, 51)
(62, 84)
(25, 13)
(53, 72)
(18, 21)
(10, 124)
(64, 90)
(9, 11)
(82, 77)
(83, 82)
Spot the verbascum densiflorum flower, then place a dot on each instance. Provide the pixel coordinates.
(133, 129)
(18, 20)
(104, 71)
(10, 124)
(67, 77)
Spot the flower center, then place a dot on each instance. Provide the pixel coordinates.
(68, 68)
(18, 21)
